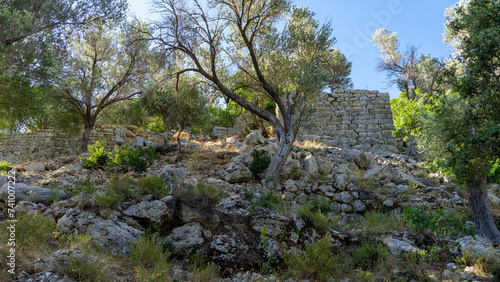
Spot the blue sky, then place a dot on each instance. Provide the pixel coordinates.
(417, 22)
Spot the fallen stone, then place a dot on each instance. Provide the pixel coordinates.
(254, 138)
(154, 212)
(274, 223)
(397, 246)
(185, 238)
(236, 172)
(45, 277)
(479, 246)
(35, 167)
(25, 192)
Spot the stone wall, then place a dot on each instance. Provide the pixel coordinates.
(49, 143)
(358, 119)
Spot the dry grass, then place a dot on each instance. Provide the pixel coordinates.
(310, 145)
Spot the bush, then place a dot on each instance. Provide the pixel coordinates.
(261, 161)
(127, 159)
(153, 184)
(379, 223)
(115, 192)
(315, 217)
(32, 231)
(316, 263)
(369, 255)
(204, 190)
(149, 259)
(494, 172)
(86, 186)
(123, 159)
(270, 200)
(86, 269)
(97, 156)
(5, 166)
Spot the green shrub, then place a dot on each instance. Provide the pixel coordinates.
(115, 192)
(318, 219)
(317, 262)
(270, 200)
(369, 255)
(126, 159)
(5, 166)
(153, 184)
(261, 161)
(86, 186)
(494, 172)
(149, 259)
(437, 221)
(86, 269)
(379, 223)
(203, 190)
(32, 231)
(97, 156)
(202, 270)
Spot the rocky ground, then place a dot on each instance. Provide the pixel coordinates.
(342, 202)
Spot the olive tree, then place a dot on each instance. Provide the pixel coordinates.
(467, 123)
(229, 36)
(107, 64)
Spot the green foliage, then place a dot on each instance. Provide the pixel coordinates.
(139, 159)
(369, 255)
(260, 162)
(32, 231)
(375, 223)
(407, 115)
(203, 190)
(5, 166)
(437, 221)
(85, 269)
(149, 259)
(122, 160)
(86, 186)
(153, 184)
(202, 270)
(317, 262)
(270, 200)
(315, 217)
(115, 192)
(98, 157)
(494, 172)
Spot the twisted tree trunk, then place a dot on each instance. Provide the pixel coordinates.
(481, 209)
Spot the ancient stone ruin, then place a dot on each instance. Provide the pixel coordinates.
(358, 119)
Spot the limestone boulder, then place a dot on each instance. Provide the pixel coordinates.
(236, 172)
(25, 192)
(377, 172)
(397, 246)
(274, 223)
(311, 164)
(45, 277)
(111, 232)
(155, 213)
(35, 167)
(254, 138)
(479, 246)
(186, 238)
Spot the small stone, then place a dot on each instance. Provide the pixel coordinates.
(35, 167)
(388, 203)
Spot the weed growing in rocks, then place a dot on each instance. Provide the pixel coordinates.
(317, 262)
(83, 186)
(315, 217)
(149, 259)
(32, 231)
(202, 270)
(5, 166)
(86, 269)
(153, 184)
(115, 193)
(270, 200)
(98, 157)
(369, 255)
(261, 161)
(203, 190)
(376, 223)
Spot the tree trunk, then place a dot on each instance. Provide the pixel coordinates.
(411, 146)
(86, 137)
(483, 217)
(285, 143)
